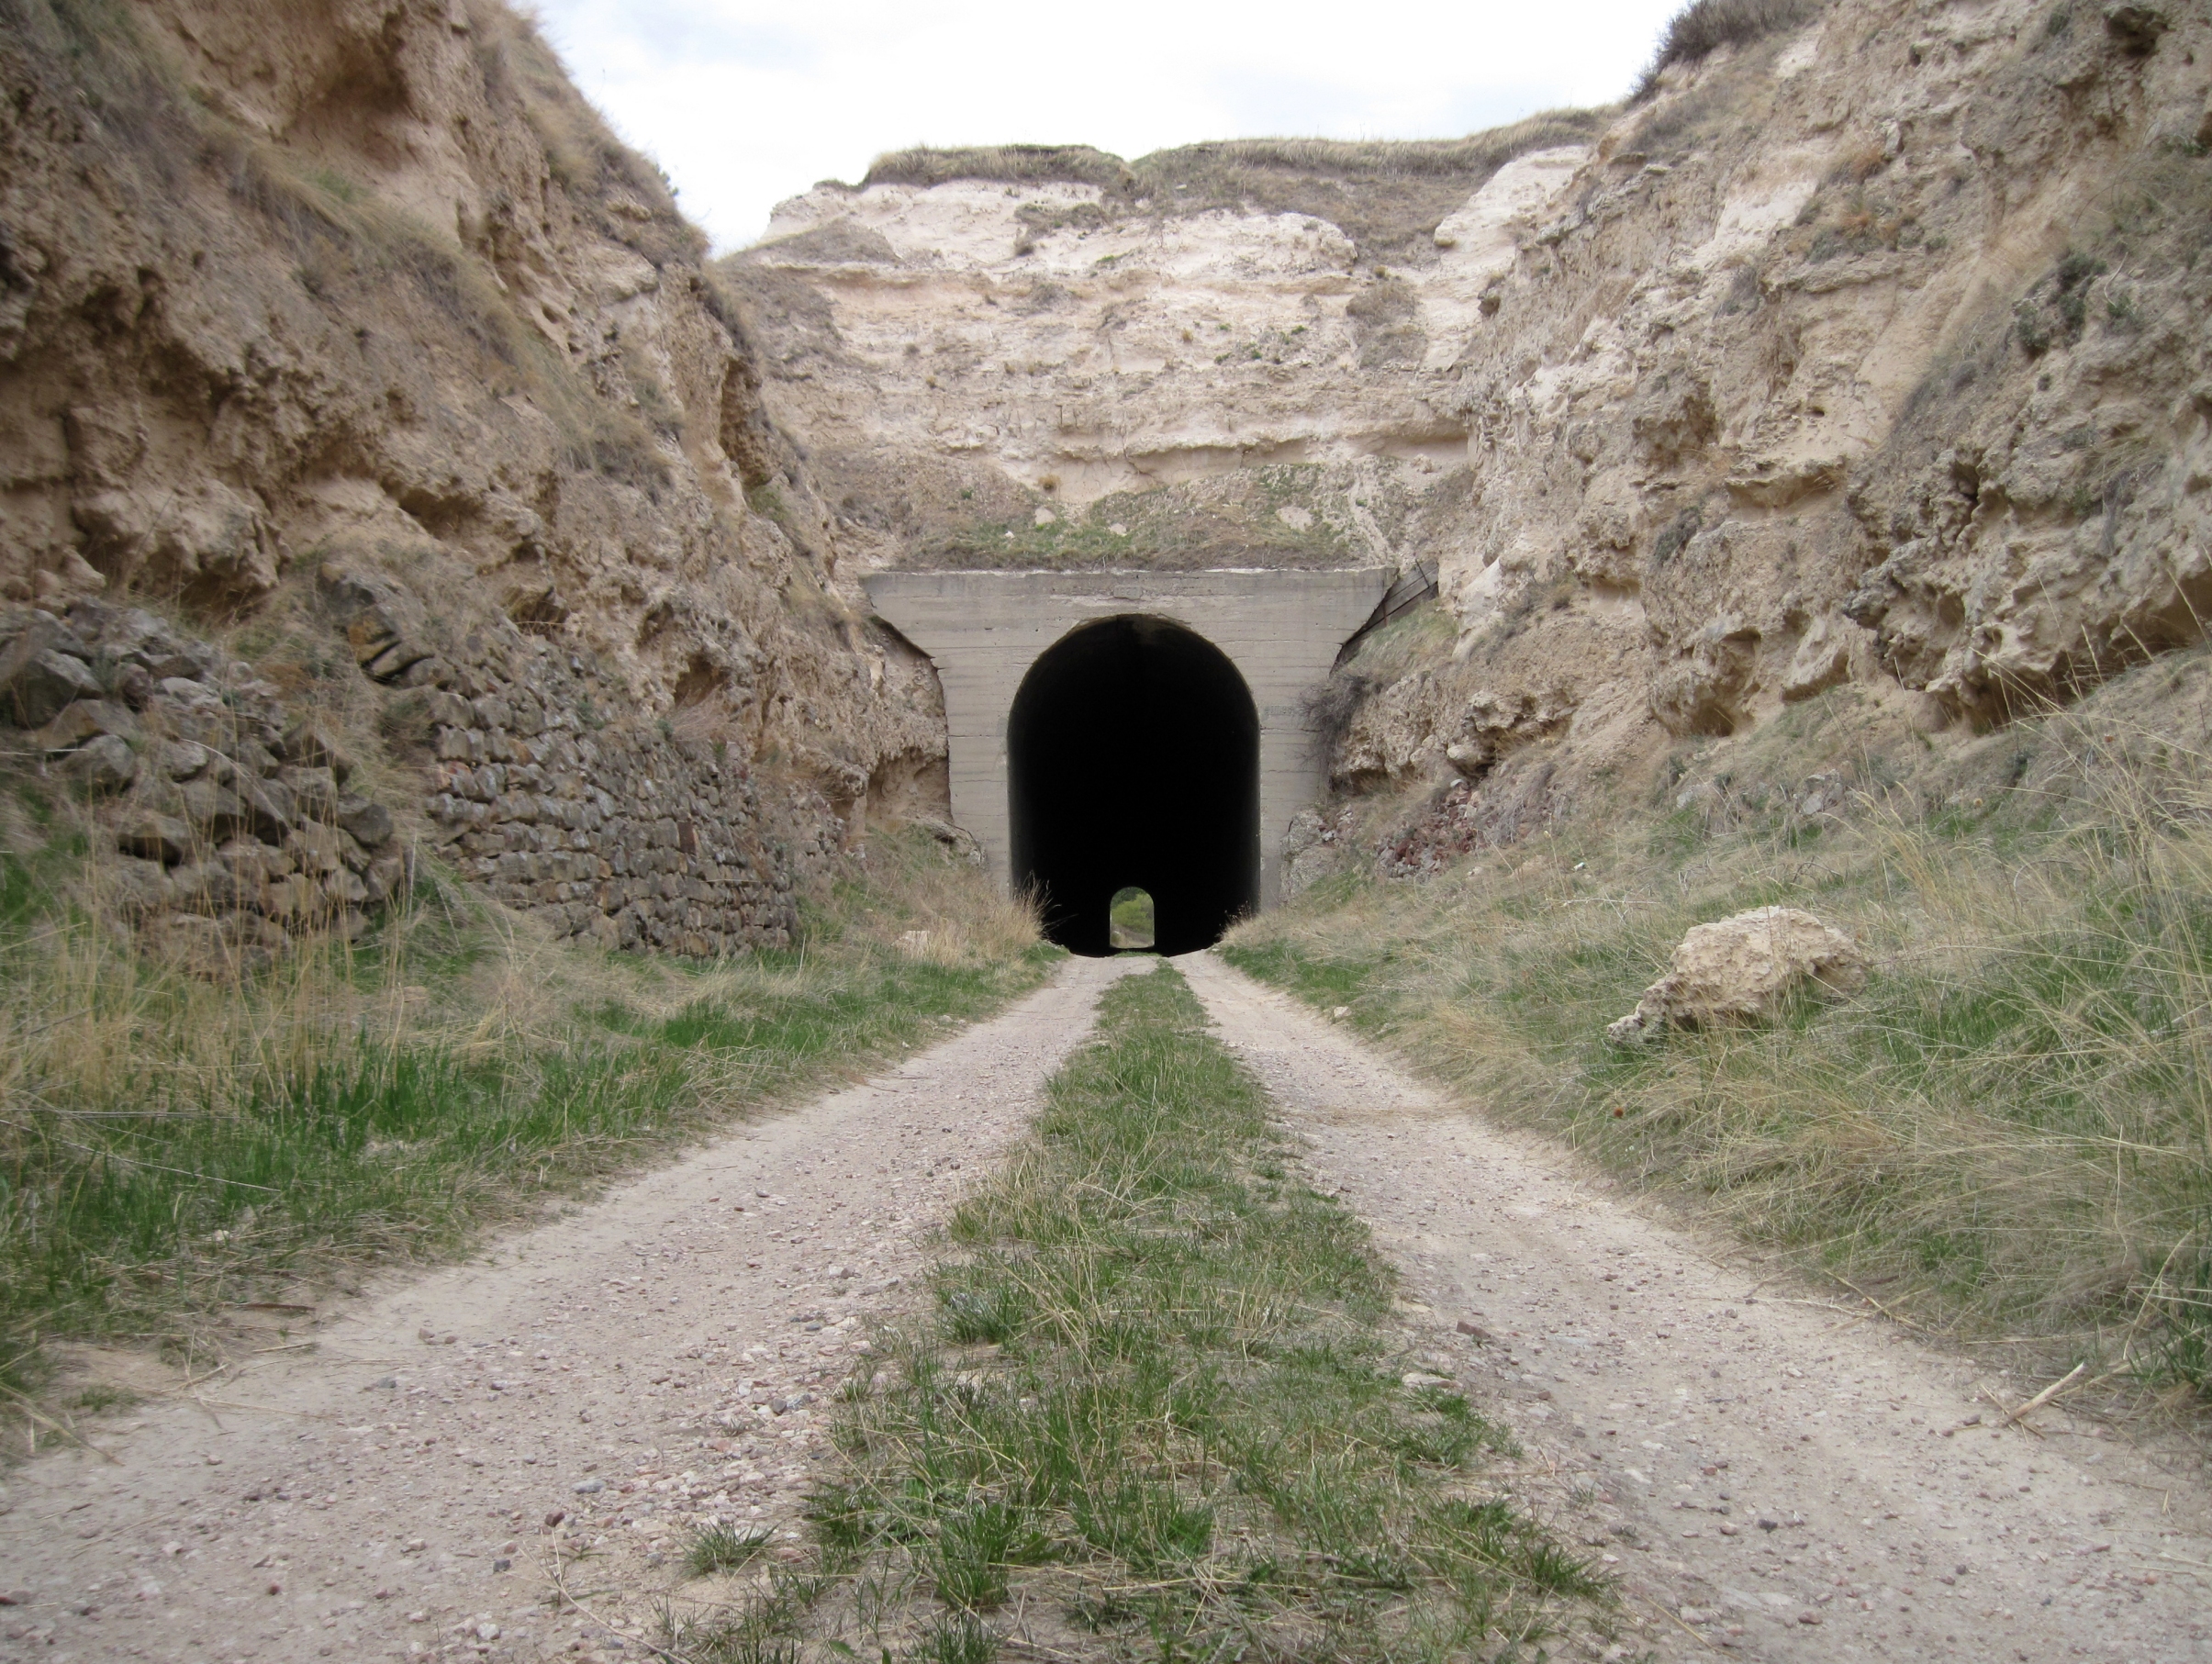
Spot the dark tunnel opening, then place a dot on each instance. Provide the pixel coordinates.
(1132, 759)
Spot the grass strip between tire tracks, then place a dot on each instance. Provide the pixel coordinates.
(1161, 1410)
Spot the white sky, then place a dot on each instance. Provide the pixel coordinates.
(745, 102)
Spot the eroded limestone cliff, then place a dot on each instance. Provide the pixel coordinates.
(1871, 351)
(1877, 349)
(345, 331)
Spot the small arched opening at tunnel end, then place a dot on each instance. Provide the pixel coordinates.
(1132, 762)
(1130, 923)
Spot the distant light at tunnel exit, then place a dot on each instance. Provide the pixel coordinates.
(1130, 922)
(1132, 762)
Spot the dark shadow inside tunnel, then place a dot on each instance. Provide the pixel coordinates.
(1132, 759)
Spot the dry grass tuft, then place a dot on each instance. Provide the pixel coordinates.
(1006, 163)
(2009, 1132)
(1704, 26)
(1386, 193)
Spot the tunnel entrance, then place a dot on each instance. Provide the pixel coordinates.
(1133, 760)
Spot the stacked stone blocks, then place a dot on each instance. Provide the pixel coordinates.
(232, 824)
(635, 837)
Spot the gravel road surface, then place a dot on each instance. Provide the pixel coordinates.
(1781, 1476)
(1768, 1471)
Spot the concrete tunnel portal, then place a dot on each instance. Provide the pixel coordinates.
(1150, 730)
(1132, 759)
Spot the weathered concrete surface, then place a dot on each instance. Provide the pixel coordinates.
(984, 629)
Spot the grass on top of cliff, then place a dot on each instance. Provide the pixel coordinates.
(174, 1148)
(1162, 1410)
(1388, 194)
(2007, 1133)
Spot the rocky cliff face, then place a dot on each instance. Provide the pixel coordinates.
(1870, 352)
(1877, 351)
(1230, 356)
(344, 329)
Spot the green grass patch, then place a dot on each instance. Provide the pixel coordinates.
(1159, 1409)
(171, 1147)
(1130, 917)
(722, 1547)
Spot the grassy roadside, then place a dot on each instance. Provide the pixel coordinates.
(1161, 1411)
(171, 1148)
(2007, 1135)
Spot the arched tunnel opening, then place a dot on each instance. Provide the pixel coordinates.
(1133, 761)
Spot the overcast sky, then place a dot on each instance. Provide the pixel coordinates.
(745, 103)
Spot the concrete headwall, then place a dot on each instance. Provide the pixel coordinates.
(984, 629)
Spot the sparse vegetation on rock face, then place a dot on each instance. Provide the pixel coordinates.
(1856, 349)
(1704, 26)
(232, 825)
(372, 358)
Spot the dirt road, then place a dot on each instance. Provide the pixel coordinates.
(386, 1494)
(1788, 1480)
(1769, 1479)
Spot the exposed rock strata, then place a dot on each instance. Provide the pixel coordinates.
(1201, 367)
(1873, 353)
(363, 289)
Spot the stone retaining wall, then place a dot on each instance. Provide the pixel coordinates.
(624, 833)
(231, 825)
(231, 828)
(549, 790)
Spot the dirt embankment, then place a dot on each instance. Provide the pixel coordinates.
(350, 334)
(1777, 1473)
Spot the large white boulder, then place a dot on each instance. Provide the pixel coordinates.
(1740, 971)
